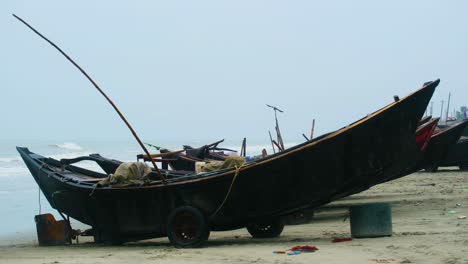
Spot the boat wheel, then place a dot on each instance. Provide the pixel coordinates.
(187, 227)
(266, 229)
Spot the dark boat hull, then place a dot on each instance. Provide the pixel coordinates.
(439, 145)
(457, 155)
(305, 176)
(423, 135)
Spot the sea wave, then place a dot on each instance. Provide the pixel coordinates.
(68, 145)
(13, 166)
(17, 168)
(10, 161)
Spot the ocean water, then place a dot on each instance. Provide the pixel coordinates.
(20, 198)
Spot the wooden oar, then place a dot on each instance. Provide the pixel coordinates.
(163, 179)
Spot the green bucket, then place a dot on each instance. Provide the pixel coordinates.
(371, 220)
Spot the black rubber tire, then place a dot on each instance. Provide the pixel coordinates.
(187, 227)
(266, 229)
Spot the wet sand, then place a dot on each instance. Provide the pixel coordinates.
(423, 232)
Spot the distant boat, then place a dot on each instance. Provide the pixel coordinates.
(425, 131)
(257, 195)
(424, 120)
(457, 155)
(441, 141)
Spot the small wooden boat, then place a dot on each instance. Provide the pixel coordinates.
(256, 195)
(457, 155)
(441, 141)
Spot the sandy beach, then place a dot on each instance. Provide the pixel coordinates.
(423, 232)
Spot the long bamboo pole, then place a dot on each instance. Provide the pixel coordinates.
(163, 179)
(312, 129)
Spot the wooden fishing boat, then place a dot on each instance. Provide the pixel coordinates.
(424, 120)
(188, 206)
(423, 136)
(457, 155)
(424, 132)
(441, 141)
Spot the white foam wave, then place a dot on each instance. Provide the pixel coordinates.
(18, 168)
(68, 145)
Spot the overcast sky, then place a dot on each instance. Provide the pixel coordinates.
(203, 70)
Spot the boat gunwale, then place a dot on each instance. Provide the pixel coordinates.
(431, 122)
(229, 171)
(449, 128)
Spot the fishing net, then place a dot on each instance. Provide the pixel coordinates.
(128, 174)
(229, 162)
